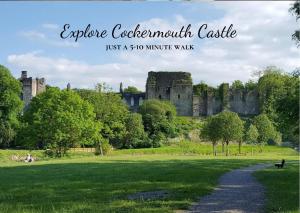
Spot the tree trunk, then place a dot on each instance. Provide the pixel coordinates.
(214, 149)
(227, 149)
(222, 146)
(260, 148)
(240, 145)
(101, 151)
(252, 150)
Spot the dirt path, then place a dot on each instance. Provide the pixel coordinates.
(238, 191)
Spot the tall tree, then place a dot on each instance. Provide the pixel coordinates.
(59, 120)
(287, 109)
(231, 128)
(211, 131)
(132, 90)
(135, 136)
(252, 136)
(237, 84)
(110, 110)
(265, 128)
(10, 106)
(158, 118)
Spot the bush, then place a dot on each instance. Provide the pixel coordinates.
(103, 147)
(159, 120)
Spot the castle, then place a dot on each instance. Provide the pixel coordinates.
(178, 88)
(31, 87)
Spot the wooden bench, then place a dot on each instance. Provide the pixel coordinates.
(280, 165)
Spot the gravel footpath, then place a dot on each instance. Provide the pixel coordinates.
(238, 191)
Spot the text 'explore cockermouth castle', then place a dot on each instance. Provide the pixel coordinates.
(203, 31)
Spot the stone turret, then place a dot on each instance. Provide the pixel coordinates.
(31, 87)
(176, 87)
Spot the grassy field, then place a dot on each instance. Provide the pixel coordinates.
(282, 187)
(82, 182)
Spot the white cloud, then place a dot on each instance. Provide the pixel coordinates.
(264, 38)
(60, 71)
(37, 36)
(50, 26)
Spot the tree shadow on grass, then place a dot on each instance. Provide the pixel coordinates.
(103, 186)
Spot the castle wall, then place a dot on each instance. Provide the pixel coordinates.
(196, 105)
(244, 102)
(213, 105)
(133, 100)
(31, 87)
(27, 90)
(181, 97)
(176, 87)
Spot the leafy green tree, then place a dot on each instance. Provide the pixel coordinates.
(10, 106)
(252, 136)
(185, 125)
(110, 110)
(135, 136)
(237, 84)
(250, 85)
(59, 120)
(265, 129)
(270, 87)
(287, 109)
(279, 96)
(158, 117)
(211, 130)
(132, 90)
(231, 128)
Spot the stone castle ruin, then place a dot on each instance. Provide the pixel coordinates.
(176, 87)
(31, 87)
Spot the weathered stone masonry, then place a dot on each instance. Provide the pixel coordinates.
(31, 87)
(176, 87)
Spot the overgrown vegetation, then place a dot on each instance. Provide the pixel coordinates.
(61, 119)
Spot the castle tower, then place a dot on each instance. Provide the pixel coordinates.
(176, 87)
(31, 87)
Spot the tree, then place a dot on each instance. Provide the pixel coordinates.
(252, 136)
(158, 117)
(287, 109)
(135, 136)
(270, 87)
(231, 128)
(59, 120)
(132, 90)
(265, 129)
(279, 96)
(110, 111)
(250, 85)
(237, 84)
(295, 10)
(211, 131)
(10, 106)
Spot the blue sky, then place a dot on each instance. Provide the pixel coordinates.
(29, 39)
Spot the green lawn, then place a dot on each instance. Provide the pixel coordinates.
(83, 182)
(282, 187)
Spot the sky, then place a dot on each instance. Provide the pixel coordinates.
(30, 40)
